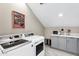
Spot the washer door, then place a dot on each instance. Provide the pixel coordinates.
(39, 48)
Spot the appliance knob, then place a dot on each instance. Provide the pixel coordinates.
(32, 45)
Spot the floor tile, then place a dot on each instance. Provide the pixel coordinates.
(54, 52)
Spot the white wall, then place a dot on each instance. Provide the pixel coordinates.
(49, 30)
(31, 22)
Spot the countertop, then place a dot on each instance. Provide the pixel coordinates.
(71, 35)
(34, 38)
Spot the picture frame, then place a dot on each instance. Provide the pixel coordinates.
(18, 20)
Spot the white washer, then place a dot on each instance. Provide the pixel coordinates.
(24, 49)
(38, 44)
(35, 48)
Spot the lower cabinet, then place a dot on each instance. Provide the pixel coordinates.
(62, 43)
(71, 45)
(55, 42)
(68, 44)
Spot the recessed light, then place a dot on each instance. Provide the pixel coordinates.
(41, 3)
(60, 14)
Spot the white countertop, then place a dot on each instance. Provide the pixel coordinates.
(71, 35)
(34, 38)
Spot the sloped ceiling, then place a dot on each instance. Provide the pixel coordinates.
(47, 14)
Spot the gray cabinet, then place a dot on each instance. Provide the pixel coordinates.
(71, 45)
(55, 42)
(62, 43)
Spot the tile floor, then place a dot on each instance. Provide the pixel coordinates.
(55, 52)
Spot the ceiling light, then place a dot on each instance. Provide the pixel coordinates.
(41, 3)
(60, 15)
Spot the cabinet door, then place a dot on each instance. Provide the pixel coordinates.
(71, 45)
(62, 43)
(54, 42)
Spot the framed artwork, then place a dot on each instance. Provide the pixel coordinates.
(18, 20)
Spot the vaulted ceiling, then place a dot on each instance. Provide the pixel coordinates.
(56, 14)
